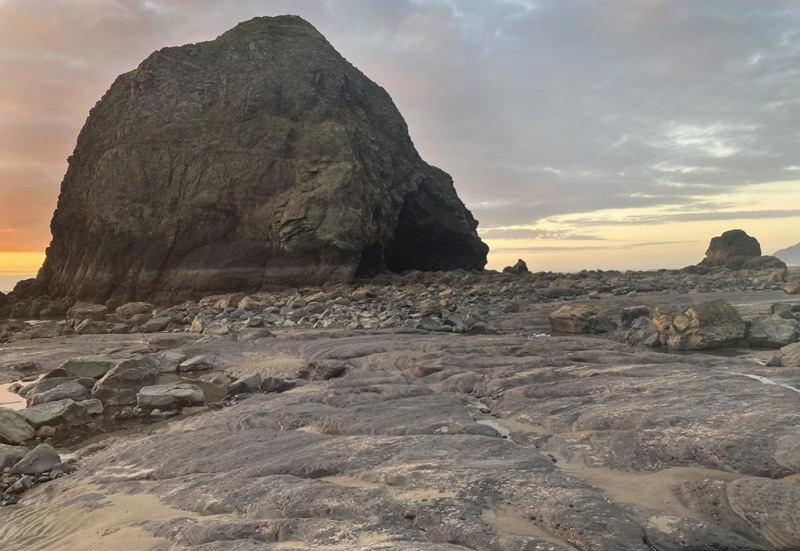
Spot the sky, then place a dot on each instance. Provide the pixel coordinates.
(582, 134)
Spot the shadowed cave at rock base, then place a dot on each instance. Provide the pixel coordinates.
(421, 242)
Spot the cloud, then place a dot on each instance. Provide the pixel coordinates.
(537, 108)
(589, 248)
(525, 233)
(702, 216)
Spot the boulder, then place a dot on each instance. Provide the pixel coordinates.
(120, 386)
(90, 366)
(580, 318)
(628, 315)
(262, 158)
(41, 459)
(736, 250)
(170, 360)
(90, 327)
(10, 455)
(772, 331)
(519, 268)
(87, 311)
(245, 385)
(642, 331)
(14, 428)
(704, 326)
(197, 363)
(790, 355)
(173, 396)
(93, 407)
(69, 389)
(61, 412)
(130, 309)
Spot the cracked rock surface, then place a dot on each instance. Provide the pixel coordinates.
(402, 439)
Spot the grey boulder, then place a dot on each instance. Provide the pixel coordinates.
(62, 412)
(704, 326)
(772, 332)
(43, 458)
(580, 318)
(14, 428)
(10, 455)
(171, 396)
(119, 386)
(90, 366)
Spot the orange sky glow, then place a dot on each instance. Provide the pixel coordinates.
(562, 172)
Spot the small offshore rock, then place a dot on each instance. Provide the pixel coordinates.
(519, 268)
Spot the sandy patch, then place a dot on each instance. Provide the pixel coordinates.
(512, 522)
(89, 521)
(646, 489)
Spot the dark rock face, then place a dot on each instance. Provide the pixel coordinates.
(259, 159)
(736, 250)
(519, 268)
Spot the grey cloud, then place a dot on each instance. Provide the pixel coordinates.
(522, 233)
(536, 108)
(589, 248)
(699, 216)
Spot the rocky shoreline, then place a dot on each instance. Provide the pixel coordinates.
(425, 411)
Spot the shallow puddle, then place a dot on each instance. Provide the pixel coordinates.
(652, 490)
(512, 522)
(10, 400)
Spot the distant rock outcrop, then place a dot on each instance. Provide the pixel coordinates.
(519, 268)
(790, 255)
(260, 159)
(736, 250)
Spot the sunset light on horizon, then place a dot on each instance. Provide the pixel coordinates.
(572, 149)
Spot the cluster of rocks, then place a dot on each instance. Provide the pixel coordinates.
(709, 325)
(21, 469)
(438, 301)
(83, 389)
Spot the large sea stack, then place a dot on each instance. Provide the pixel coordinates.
(257, 160)
(736, 250)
